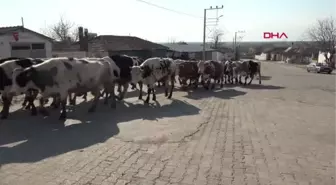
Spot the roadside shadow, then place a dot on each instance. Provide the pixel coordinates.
(264, 77)
(262, 86)
(220, 93)
(31, 139)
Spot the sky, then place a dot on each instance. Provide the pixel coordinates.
(136, 18)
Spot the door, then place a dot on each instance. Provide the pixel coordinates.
(20, 50)
(38, 50)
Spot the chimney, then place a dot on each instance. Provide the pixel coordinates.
(86, 40)
(80, 35)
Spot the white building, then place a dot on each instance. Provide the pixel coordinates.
(17, 41)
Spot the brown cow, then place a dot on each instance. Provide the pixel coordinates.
(188, 70)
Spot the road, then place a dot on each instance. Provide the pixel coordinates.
(281, 132)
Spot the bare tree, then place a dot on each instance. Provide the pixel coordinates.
(323, 34)
(216, 38)
(171, 40)
(63, 30)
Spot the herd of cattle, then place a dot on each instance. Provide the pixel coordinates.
(65, 77)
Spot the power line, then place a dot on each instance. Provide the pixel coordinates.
(168, 9)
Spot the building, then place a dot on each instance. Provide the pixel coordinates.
(18, 41)
(104, 45)
(187, 51)
(296, 54)
(272, 54)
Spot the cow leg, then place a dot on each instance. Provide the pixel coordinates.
(133, 86)
(196, 83)
(221, 81)
(240, 81)
(154, 94)
(214, 83)
(63, 100)
(63, 114)
(6, 104)
(72, 100)
(119, 88)
(55, 103)
(42, 109)
(113, 96)
(85, 97)
(25, 101)
(172, 86)
(122, 94)
(140, 90)
(259, 76)
(31, 104)
(149, 89)
(96, 94)
(104, 95)
(246, 77)
(251, 76)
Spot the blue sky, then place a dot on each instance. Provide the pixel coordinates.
(131, 17)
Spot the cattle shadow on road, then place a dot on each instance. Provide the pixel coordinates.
(221, 93)
(262, 86)
(264, 77)
(39, 138)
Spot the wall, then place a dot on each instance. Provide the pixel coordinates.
(74, 54)
(218, 56)
(24, 37)
(262, 56)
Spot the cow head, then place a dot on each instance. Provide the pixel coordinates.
(136, 74)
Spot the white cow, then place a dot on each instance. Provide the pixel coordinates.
(153, 70)
(59, 76)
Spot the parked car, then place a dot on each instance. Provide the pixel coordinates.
(319, 68)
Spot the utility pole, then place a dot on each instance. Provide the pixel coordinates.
(204, 26)
(235, 43)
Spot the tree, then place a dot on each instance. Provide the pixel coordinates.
(216, 38)
(63, 31)
(323, 34)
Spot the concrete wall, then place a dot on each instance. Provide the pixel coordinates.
(75, 54)
(262, 56)
(24, 37)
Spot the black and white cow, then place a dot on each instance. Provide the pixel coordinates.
(7, 67)
(59, 76)
(153, 70)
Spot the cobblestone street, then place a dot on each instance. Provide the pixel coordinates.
(281, 133)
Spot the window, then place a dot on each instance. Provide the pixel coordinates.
(38, 46)
(21, 47)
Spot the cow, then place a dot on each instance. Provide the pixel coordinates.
(153, 70)
(7, 67)
(248, 69)
(137, 62)
(59, 76)
(124, 64)
(228, 72)
(211, 70)
(188, 71)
